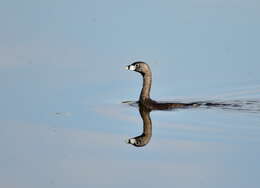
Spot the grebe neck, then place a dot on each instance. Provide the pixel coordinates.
(147, 82)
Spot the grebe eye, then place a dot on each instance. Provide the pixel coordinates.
(137, 65)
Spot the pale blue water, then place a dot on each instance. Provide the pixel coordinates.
(75, 136)
(62, 83)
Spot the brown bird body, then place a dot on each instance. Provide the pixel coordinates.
(144, 98)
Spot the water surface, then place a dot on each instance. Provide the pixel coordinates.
(62, 83)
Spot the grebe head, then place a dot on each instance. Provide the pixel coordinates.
(140, 67)
(137, 142)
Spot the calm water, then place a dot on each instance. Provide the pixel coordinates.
(76, 136)
(62, 84)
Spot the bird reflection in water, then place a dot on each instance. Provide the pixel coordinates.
(246, 106)
(144, 138)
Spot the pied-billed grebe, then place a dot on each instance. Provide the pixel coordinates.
(145, 99)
